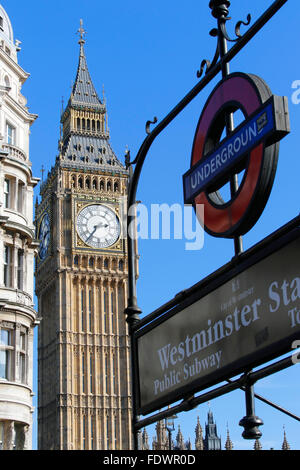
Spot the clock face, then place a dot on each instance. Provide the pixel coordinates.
(44, 236)
(98, 226)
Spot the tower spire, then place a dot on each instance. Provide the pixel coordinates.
(228, 443)
(285, 444)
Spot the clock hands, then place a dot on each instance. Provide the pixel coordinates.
(95, 228)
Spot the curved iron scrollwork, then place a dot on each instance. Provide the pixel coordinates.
(237, 28)
(208, 64)
(239, 24)
(148, 123)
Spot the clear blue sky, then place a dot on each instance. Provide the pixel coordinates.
(146, 55)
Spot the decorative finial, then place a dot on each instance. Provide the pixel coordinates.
(42, 171)
(127, 157)
(81, 32)
(219, 8)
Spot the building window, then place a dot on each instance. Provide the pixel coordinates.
(116, 430)
(90, 309)
(92, 433)
(8, 266)
(91, 373)
(10, 134)
(21, 187)
(113, 375)
(7, 193)
(1, 435)
(1, 23)
(6, 350)
(105, 310)
(82, 309)
(84, 432)
(23, 349)
(20, 269)
(83, 372)
(112, 311)
(106, 375)
(107, 433)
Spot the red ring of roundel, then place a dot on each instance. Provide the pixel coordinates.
(223, 221)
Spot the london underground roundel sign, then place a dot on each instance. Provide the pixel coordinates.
(253, 147)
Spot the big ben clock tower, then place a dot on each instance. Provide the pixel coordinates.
(84, 359)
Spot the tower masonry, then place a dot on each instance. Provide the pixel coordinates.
(81, 283)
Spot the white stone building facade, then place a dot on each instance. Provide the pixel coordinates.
(17, 249)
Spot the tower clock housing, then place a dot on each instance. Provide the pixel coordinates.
(81, 284)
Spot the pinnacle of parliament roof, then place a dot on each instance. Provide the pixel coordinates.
(84, 92)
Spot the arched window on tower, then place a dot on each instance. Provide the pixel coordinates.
(95, 183)
(90, 308)
(105, 311)
(82, 308)
(112, 306)
(116, 187)
(80, 183)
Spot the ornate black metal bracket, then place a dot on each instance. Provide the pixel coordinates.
(220, 11)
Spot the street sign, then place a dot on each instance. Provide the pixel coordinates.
(240, 318)
(253, 146)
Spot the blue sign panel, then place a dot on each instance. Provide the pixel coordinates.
(216, 164)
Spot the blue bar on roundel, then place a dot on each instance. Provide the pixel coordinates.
(246, 137)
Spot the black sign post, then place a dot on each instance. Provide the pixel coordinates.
(247, 314)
